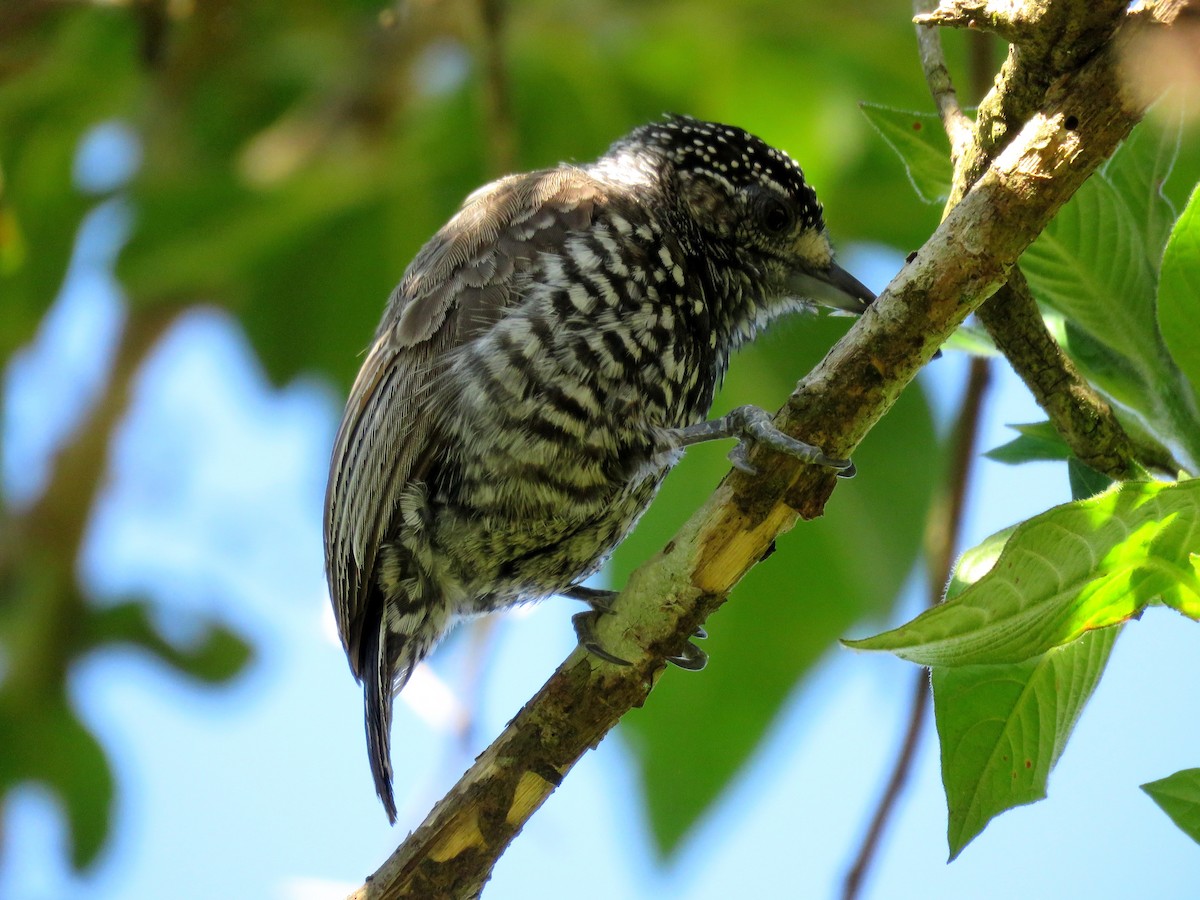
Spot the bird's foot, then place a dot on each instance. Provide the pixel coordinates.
(585, 630)
(692, 658)
(750, 424)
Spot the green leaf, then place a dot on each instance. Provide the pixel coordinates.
(1178, 796)
(1179, 292)
(1097, 264)
(1139, 169)
(52, 746)
(976, 562)
(1001, 729)
(921, 143)
(1086, 481)
(217, 654)
(1037, 442)
(50, 97)
(788, 611)
(1078, 567)
(1091, 265)
(973, 340)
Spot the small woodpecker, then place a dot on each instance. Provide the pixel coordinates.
(543, 363)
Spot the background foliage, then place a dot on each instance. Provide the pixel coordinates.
(286, 160)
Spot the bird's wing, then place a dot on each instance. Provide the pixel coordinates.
(459, 284)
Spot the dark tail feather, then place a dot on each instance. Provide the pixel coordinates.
(377, 695)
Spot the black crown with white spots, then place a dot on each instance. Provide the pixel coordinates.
(728, 154)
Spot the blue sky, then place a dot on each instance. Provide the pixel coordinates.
(261, 789)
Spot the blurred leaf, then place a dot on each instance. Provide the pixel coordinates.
(1179, 290)
(49, 98)
(50, 745)
(1078, 567)
(1039, 441)
(1002, 728)
(973, 340)
(921, 143)
(788, 611)
(216, 656)
(1178, 796)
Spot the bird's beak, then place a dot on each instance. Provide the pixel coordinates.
(832, 286)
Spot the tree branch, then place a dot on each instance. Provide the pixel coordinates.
(1081, 416)
(50, 533)
(1085, 116)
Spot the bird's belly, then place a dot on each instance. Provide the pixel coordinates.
(502, 560)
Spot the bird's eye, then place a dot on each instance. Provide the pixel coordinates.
(775, 216)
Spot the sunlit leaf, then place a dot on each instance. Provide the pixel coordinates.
(1002, 728)
(1078, 567)
(1178, 796)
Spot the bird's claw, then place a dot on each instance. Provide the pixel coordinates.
(693, 659)
(585, 630)
(740, 457)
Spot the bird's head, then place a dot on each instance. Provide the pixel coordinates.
(751, 200)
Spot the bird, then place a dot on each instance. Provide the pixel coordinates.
(544, 361)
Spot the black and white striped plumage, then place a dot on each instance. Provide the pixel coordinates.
(522, 399)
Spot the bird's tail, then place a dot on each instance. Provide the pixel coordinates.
(377, 696)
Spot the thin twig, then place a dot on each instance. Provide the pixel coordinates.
(942, 540)
(945, 517)
(1083, 418)
(54, 527)
(918, 709)
(933, 62)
